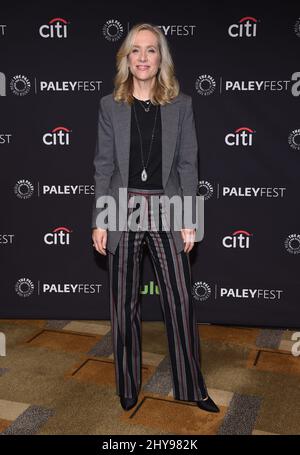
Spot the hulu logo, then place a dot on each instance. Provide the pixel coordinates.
(150, 289)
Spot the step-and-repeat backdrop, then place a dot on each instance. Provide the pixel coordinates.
(240, 63)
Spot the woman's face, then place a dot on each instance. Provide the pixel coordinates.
(144, 57)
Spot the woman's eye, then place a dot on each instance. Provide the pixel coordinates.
(151, 50)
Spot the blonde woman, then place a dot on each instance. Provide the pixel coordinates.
(146, 144)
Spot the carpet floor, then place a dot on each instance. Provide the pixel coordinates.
(57, 377)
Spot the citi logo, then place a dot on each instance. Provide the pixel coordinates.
(241, 136)
(150, 289)
(59, 236)
(246, 27)
(58, 136)
(56, 28)
(238, 239)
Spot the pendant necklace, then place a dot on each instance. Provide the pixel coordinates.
(144, 175)
(146, 109)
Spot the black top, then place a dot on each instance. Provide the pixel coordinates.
(154, 166)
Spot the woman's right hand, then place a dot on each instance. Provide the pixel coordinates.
(99, 237)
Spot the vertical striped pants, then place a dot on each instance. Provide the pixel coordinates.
(173, 274)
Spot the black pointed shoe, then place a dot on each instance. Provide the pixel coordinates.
(127, 403)
(208, 405)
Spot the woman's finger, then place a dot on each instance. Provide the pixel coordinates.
(188, 236)
(188, 247)
(100, 245)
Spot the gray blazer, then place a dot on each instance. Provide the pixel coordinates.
(179, 155)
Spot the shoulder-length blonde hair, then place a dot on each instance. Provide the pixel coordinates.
(166, 84)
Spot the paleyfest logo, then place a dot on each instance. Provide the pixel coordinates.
(134, 212)
(113, 30)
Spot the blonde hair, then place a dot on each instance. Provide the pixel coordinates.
(166, 84)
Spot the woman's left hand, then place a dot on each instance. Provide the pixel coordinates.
(188, 236)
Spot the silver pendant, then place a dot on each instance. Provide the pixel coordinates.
(144, 175)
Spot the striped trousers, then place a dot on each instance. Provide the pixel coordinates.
(173, 274)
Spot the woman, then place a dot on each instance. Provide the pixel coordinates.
(147, 144)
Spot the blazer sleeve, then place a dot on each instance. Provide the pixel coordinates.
(187, 162)
(104, 157)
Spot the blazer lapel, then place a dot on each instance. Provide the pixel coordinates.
(169, 123)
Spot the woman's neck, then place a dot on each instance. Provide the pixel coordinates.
(142, 91)
(142, 97)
